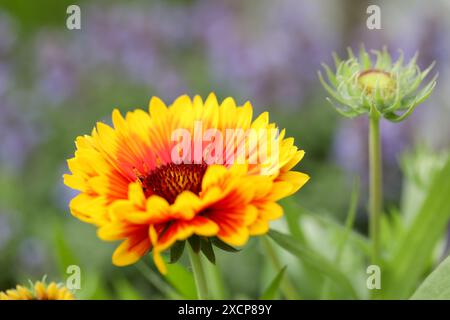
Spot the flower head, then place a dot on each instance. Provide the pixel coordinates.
(38, 291)
(379, 87)
(194, 170)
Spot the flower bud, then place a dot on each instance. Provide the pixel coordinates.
(380, 87)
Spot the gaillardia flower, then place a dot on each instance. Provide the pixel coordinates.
(380, 87)
(39, 291)
(195, 170)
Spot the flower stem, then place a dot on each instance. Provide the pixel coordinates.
(199, 274)
(157, 282)
(375, 193)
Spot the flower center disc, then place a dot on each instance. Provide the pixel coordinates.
(373, 78)
(169, 180)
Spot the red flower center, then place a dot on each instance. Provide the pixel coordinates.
(169, 180)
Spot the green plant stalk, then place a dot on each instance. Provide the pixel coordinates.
(286, 285)
(216, 286)
(199, 274)
(375, 192)
(157, 282)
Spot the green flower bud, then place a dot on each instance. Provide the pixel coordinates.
(378, 88)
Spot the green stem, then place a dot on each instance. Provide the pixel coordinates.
(376, 193)
(157, 282)
(199, 274)
(216, 286)
(286, 285)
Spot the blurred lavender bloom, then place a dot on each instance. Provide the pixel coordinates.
(136, 41)
(271, 60)
(5, 76)
(350, 150)
(118, 37)
(395, 137)
(428, 24)
(350, 146)
(133, 42)
(18, 136)
(32, 256)
(57, 72)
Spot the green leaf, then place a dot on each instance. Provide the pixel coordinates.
(176, 251)
(344, 237)
(272, 290)
(125, 290)
(351, 215)
(293, 212)
(64, 254)
(222, 245)
(314, 259)
(208, 250)
(327, 220)
(194, 241)
(413, 250)
(437, 285)
(182, 280)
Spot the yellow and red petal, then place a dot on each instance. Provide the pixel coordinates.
(131, 250)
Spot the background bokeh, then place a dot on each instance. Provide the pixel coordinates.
(56, 83)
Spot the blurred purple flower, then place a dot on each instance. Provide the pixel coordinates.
(5, 76)
(351, 143)
(18, 135)
(32, 256)
(350, 146)
(132, 42)
(137, 41)
(270, 60)
(57, 70)
(350, 150)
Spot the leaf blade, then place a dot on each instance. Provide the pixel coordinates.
(437, 285)
(271, 290)
(308, 256)
(413, 252)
